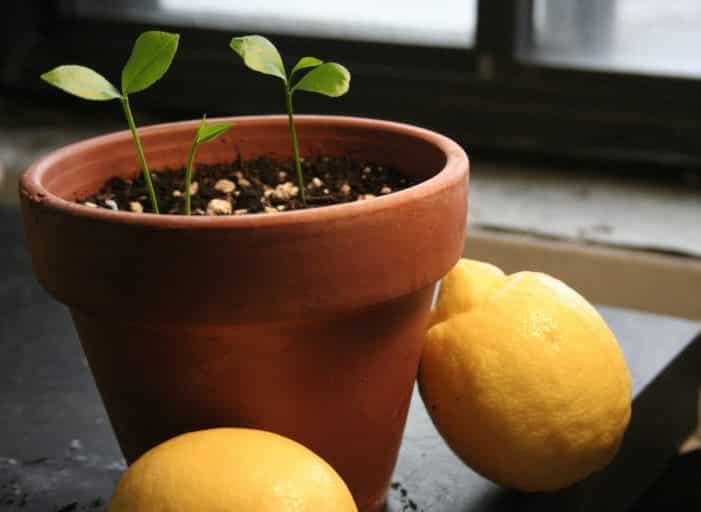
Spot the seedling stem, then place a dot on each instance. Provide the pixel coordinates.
(140, 152)
(188, 179)
(295, 144)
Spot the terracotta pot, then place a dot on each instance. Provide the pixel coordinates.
(306, 323)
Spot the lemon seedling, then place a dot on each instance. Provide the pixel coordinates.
(150, 58)
(205, 133)
(327, 78)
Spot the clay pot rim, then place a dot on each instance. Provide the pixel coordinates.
(456, 166)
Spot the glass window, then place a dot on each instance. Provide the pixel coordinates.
(449, 23)
(640, 36)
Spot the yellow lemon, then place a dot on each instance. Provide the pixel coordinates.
(523, 378)
(231, 469)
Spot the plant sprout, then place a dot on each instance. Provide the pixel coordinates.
(327, 78)
(205, 133)
(150, 58)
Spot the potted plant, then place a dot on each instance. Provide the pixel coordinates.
(308, 323)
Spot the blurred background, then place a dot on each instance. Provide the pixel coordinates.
(580, 116)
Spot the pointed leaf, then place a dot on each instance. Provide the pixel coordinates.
(150, 58)
(82, 82)
(330, 79)
(260, 55)
(304, 63)
(211, 132)
(203, 123)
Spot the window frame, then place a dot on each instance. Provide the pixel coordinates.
(486, 97)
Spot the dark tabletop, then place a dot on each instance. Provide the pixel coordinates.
(58, 452)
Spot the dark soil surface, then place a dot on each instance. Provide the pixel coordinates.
(257, 186)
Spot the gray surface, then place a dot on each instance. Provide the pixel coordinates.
(57, 448)
(604, 209)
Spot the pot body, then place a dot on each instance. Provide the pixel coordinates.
(338, 383)
(308, 324)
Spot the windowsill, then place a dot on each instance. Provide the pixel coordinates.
(600, 209)
(543, 202)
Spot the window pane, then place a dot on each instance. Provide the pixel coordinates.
(641, 36)
(438, 23)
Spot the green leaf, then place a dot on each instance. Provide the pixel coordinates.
(82, 82)
(304, 63)
(208, 133)
(330, 79)
(150, 58)
(260, 55)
